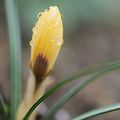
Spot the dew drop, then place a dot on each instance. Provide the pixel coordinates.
(31, 43)
(53, 14)
(34, 30)
(57, 23)
(48, 9)
(39, 14)
(59, 42)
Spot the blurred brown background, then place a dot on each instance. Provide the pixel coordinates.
(91, 34)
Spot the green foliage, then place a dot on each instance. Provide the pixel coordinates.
(15, 54)
(103, 68)
(99, 111)
(67, 96)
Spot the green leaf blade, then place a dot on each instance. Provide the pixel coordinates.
(99, 111)
(67, 96)
(15, 54)
(85, 71)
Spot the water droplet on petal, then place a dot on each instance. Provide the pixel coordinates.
(31, 43)
(53, 14)
(59, 42)
(34, 30)
(39, 14)
(48, 9)
(57, 22)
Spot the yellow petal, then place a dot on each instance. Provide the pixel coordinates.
(47, 40)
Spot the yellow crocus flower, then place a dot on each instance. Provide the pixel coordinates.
(46, 42)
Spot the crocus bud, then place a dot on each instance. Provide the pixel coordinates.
(46, 42)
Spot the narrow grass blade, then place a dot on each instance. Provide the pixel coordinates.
(4, 107)
(66, 97)
(85, 71)
(99, 111)
(15, 54)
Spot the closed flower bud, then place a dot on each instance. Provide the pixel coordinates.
(46, 42)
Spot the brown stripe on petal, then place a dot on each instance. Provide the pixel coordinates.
(40, 69)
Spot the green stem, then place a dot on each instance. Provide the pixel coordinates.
(99, 111)
(15, 54)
